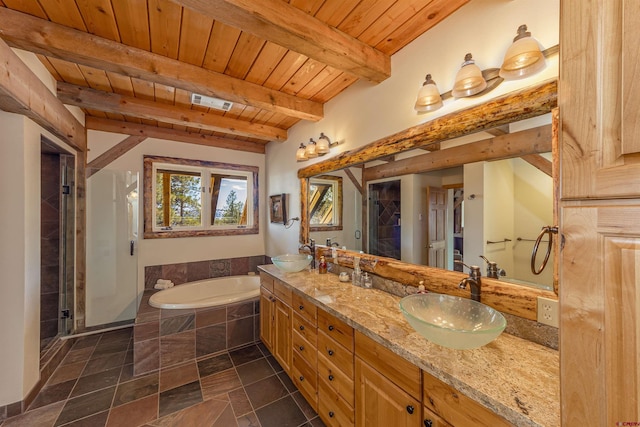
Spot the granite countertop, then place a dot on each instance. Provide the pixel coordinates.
(515, 378)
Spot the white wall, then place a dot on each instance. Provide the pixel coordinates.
(365, 112)
(20, 245)
(178, 250)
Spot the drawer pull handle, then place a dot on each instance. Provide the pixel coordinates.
(410, 409)
(428, 423)
(301, 378)
(331, 327)
(301, 307)
(331, 414)
(330, 352)
(330, 377)
(301, 347)
(302, 327)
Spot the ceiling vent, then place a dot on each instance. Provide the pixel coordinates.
(207, 101)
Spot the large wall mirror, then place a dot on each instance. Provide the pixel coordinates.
(486, 193)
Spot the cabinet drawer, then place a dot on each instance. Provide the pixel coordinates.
(304, 377)
(403, 373)
(305, 309)
(456, 408)
(433, 420)
(336, 353)
(282, 292)
(266, 281)
(335, 379)
(304, 328)
(333, 410)
(336, 329)
(305, 349)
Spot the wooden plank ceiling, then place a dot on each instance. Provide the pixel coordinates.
(133, 64)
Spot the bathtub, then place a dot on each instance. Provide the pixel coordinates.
(208, 293)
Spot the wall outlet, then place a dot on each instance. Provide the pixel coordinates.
(548, 312)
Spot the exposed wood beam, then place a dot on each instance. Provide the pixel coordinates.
(288, 26)
(113, 153)
(22, 92)
(145, 109)
(354, 180)
(530, 141)
(539, 162)
(54, 40)
(518, 105)
(126, 128)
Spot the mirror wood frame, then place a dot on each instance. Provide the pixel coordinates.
(518, 105)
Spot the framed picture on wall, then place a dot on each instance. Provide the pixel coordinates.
(278, 208)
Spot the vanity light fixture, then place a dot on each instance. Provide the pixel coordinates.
(469, 79)
(428, 96)
(301, 153)
(315, 148)
(523, 58)
(311, 150)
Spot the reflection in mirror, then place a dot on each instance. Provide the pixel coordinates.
(325, 203)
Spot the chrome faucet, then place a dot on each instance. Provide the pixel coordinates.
(474, 281)
(330, 243)
(312, 248)
(492, 269)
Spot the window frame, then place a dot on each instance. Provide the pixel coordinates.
(206, 168)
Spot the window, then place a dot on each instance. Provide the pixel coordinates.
(198, 198)
(325, 203)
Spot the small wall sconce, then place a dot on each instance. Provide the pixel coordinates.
(523, 58)
(469, 79)
(314, 148)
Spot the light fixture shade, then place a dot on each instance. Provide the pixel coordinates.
(311, 150)
(523, 58)
(322, 146)
(469, 80)
(428, 96)
(301, 153)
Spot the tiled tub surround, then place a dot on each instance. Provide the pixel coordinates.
(164, 338)
(184, 272)
(515, 378)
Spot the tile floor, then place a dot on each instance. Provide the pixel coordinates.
(94, 386)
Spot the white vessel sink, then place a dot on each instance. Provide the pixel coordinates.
(291, 263)
(451, 321)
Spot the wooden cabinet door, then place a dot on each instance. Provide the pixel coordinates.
(599, 99)
(282, 336)
(433, 420)
(380, 403)
(600, 315)
(267, 307)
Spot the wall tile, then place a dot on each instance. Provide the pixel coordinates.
(211, 339)
(238, 311)
(239, 266)
(197, 271)
(208, 317)
(151, 275)
(177, 348)
(177, 273)
(219, 268)
(146, 331)
(173, 325)
(240, 332)
(146, 356)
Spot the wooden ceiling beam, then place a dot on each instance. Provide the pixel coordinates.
(126, 128)
(22, 92)
(542, 164)
(109, 102)
(530, 141)
(279, 22)
(57, 41)
(113, 153)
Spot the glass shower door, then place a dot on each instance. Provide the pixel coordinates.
(112, 235)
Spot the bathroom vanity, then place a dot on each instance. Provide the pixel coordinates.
(358, 362)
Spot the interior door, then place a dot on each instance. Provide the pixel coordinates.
(436, 230)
